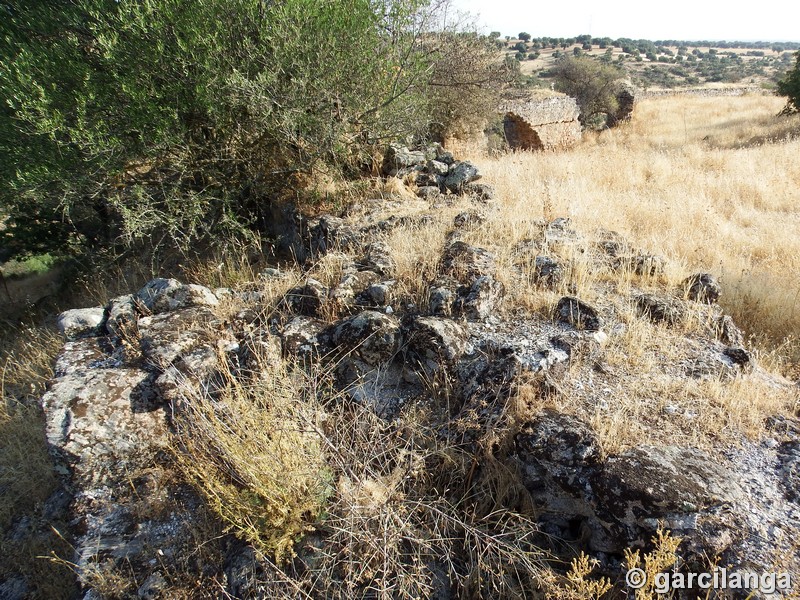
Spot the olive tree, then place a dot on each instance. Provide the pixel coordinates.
(789, 86)
(173, 120)
(592, 83)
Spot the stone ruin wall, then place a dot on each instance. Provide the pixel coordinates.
(545, 124)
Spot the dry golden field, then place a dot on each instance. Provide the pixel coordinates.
(712, 184)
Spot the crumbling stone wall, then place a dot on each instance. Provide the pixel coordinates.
(541, 124)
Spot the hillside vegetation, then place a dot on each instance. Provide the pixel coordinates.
(711, 183)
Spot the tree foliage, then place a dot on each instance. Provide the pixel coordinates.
(789, 86)
(172, 119)
(592, 83)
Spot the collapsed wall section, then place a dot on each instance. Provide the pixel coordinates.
(541, 124)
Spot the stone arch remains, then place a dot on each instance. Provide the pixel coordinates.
(519, 134)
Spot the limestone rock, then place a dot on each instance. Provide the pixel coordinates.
(306, 299)
(81, 322)
(578, 314)
(372, 336)
(702, 287)
(379, 259)
(459, 175)
(466, 263)
(435, 341)
(480, 300)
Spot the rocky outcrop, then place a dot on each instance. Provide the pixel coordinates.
(541, 124)
(493, 381)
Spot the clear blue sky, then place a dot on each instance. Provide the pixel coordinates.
(648, 19)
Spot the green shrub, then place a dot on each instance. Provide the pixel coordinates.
(789, 86)
(172, 119)
(592, 83)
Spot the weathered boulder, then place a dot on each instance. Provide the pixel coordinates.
(306, 299)
(399, 157)
(300, 336)
(327, 233)
(547, 272)
(352, 286)
(649, 485)
(164, 337)
(435, 342)
(727, 331)
(480, 191)
(660, 309)
(81, 322)
(378, 258)
(578, 314)
(372, 336)
(459, 175)
(641, 264)
(121, 314)
(468, 219)
(380, 294)
(789, 469)
(702, 287)
(441, 296)
(480, 300)
(163, 295)
(466, 263)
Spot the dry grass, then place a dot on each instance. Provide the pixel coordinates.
(711, 183)
(27, 478)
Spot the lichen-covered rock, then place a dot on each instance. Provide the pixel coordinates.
(81, 322)
(306, 299)
(163, 295)
(641, 264)
(459, 175)
(164, 337)
(727, 332)
(352, 285)
(578, 314)
(547, 272)
(327, 233)
(789, 469)
(702, 287)
(480, 300)
(380, 294)
(660, 309)
(436, 342)
(649, 485)
(482, 192)
(121, 314)
(429, 192)
(400, 157)
(466, 263)
(378, 258)
(557, 448)
(468, 219)
(441, 296)
(300, 336)
(370, 335)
